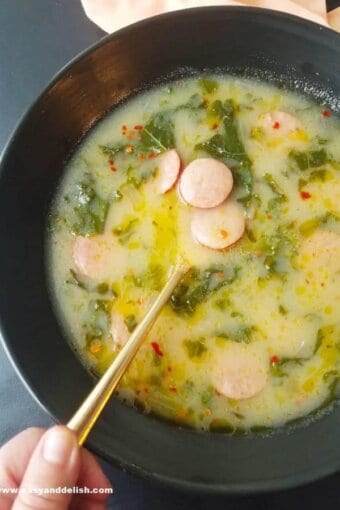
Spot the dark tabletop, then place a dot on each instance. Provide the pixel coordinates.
(37, 37)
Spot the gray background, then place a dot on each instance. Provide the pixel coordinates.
(37, 37)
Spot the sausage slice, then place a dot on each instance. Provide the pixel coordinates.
(205, 183)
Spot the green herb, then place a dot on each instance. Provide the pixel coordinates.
(125, 231)
(330, 374)
(207, 395)
(208, 85)
(279, 198)
(158, 134)
(130, 322)
(198, 285)
(138, 175)
(309, 226)
(153, 278)
(269, 179)
(309, 159)
(276, 369)
(89, 210)
(257, 133)
(281, 244)
(112, 151)
(228, 146)
(98, 325)
(195, 102)
(222, 304)
(323, 334)
(251, 236)
(240, 334)
(102, 288)
(319, 175)
(194, 348)
(282, 310)
(302, 183)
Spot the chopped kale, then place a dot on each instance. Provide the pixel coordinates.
(309, 159)
(195, 348)
(198, 285)
(158, 134)
(130, 322)
(125, 231)
(89, 210)
(208, 85)
(228, 146)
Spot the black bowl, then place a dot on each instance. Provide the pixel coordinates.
(271, 46)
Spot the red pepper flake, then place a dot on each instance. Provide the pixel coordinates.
(112, 165)
(169, 369)
(142, 156)
(157, 348)
(326, 113)
(152, 155)
(305, 195)
(214, 126)
(276, 125)
(220, 275)
(138, 127)
(173, 389)
(274, 359)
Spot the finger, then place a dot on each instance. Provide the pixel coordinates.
(86, 504)
(14, 458)
(92, 476)
(55, 463)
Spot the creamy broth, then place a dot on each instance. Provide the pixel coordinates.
(264, 311)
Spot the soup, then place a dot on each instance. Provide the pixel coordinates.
(241, 179)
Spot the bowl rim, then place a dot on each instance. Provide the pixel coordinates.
(251, 487)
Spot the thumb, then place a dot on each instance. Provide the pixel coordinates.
(55, 463)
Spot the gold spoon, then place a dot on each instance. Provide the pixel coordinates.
(88, 413)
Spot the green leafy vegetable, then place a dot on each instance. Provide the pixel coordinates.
(125, 231)
(130, 322)
(278, 246)
(207, 395)
(138, 175)
(98, 325)
(89, 210)
(279, 198)
(239, 334)
(208, 85)
(153, 278)
(309, 159)
(282, 310)
(276, 369)
(308, 227)
(195, 102)
(228, 146)
(194, 348)
(198, 285)
(112, 151)
(158, 135)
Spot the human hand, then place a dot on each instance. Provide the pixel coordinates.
(36, 459)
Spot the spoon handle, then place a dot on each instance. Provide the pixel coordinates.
(89, 411)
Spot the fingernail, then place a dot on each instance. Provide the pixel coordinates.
(58, 445)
